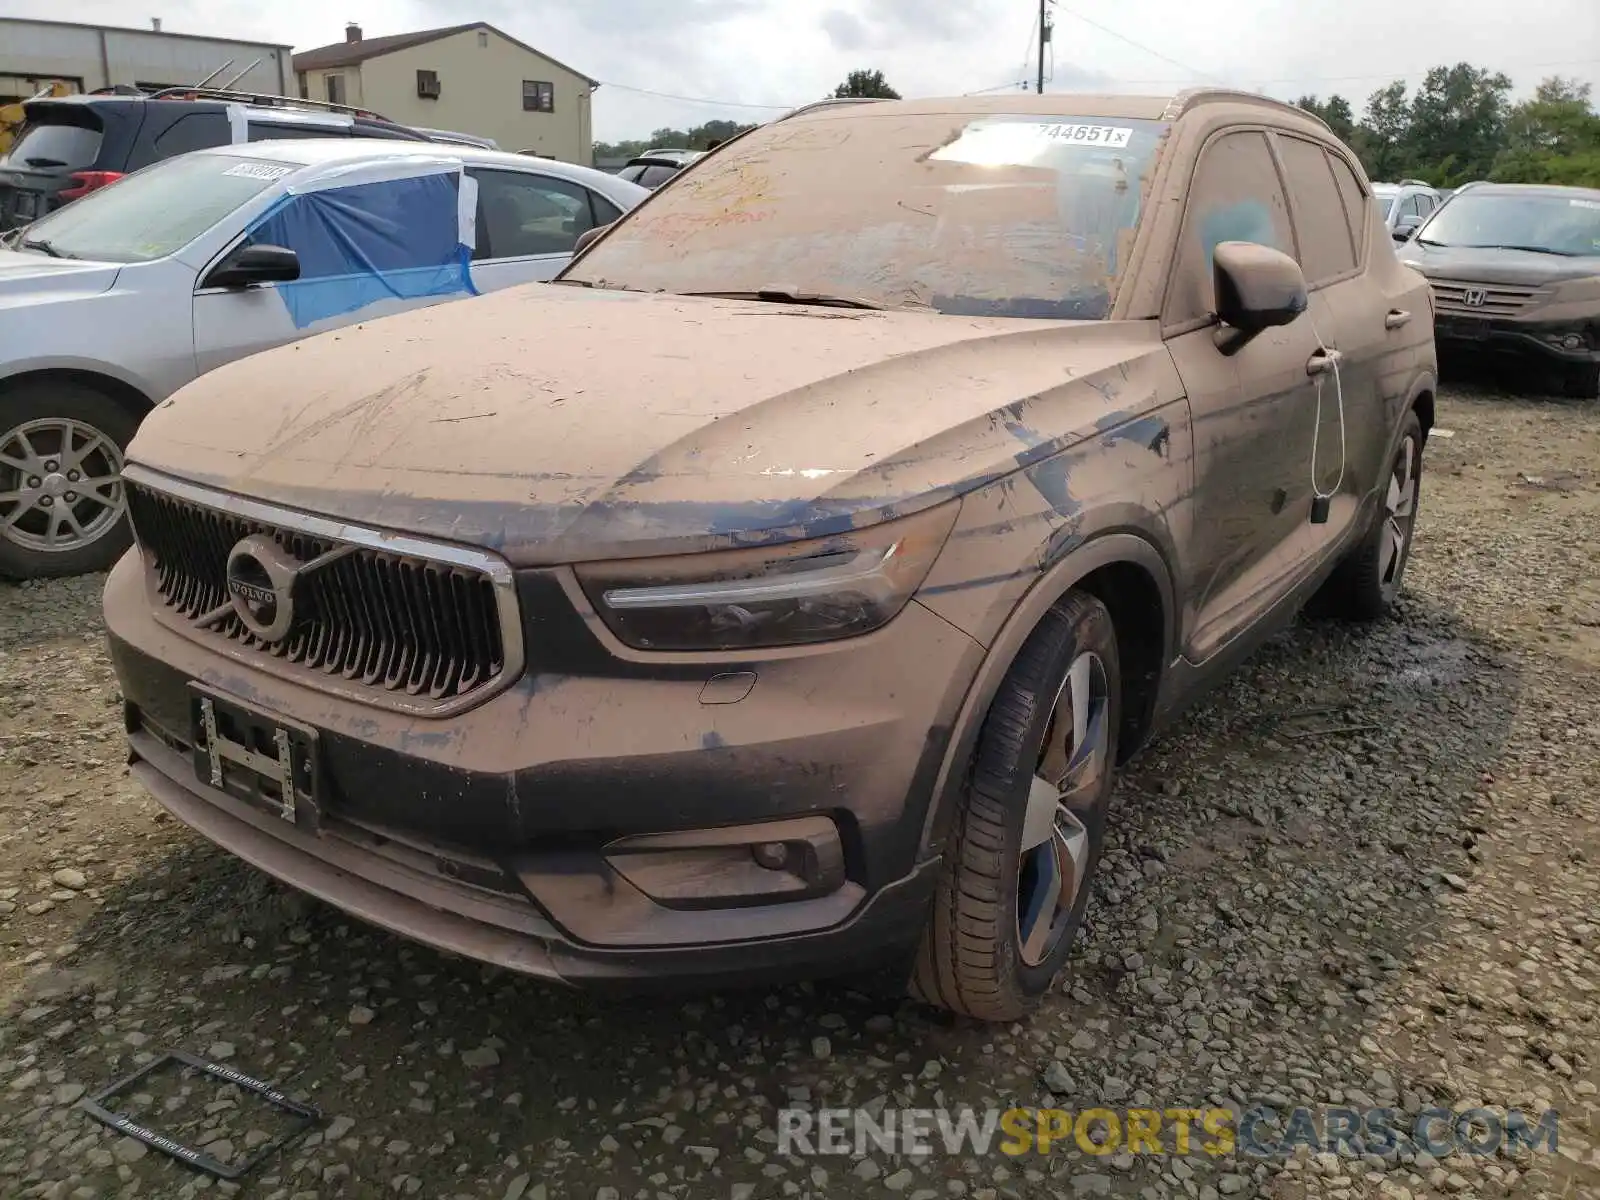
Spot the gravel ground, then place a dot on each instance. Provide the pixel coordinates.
(1403, 912)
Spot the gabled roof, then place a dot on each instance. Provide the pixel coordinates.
(348, 54)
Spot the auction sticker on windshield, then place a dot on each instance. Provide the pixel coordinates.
(258, 170)
(1114, 136)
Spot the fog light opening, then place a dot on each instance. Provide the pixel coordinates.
(774, 856)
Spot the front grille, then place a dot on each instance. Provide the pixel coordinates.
(1499, 299)
(398, 624)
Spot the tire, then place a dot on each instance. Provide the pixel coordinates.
(1364, 586)
(34, 418)
(974, 958)
(1581, 382)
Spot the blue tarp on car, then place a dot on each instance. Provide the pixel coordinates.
(389, 239)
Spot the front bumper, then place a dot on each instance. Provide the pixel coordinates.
(491, 833)
(1509, 335)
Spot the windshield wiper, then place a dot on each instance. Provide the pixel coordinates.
(43, 247)
(775, 296)
(1529, 249)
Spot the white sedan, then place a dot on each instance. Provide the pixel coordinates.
(112, 303)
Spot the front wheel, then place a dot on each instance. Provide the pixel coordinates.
(62, 508)
(1031, 824)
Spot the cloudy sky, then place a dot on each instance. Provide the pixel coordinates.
(750, 59)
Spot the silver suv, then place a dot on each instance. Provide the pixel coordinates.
(1405, 205)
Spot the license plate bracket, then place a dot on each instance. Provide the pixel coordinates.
(1471, 329)
(270, 762)
(304, 1116)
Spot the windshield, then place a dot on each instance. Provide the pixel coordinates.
(978, 216)
(1559, 223)
(157, 210)
(1386, 202)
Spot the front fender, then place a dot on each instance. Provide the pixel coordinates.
(1047, 588)
(152, 390)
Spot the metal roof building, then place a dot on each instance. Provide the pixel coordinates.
(35, 52)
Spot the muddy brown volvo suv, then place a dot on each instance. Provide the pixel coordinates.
(777, 592)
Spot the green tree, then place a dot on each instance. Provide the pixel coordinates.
(701, 137)
(1552, 138)
(1335, 113)
(1384, 131)
(868, 84)
(1458, 123)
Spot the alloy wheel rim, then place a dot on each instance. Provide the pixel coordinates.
(1066, 789)
(60, 485)
(1399, 517)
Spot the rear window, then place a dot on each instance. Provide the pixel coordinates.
(655, 176)
(158, 210)
(49, 146)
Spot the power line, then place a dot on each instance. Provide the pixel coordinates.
(999, 87)
(623, 87)
(1167, 58)
(1106, 29)
(1022, 83)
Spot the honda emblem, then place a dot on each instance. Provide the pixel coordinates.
(1474, 297)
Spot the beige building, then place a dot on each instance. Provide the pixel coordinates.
(466, 78)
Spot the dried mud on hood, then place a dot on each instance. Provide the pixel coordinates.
(558, 424)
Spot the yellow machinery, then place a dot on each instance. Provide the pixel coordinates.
(11, 114)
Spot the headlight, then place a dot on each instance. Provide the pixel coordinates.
(787, 595)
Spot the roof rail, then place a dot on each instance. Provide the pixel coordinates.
(265, 100)
(1191, 97)
(1415, 183)
(831, 102)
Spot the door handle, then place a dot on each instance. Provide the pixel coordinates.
(1396, 318)
(1323, 361)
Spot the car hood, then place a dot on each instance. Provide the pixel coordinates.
(1523, 268)
(558, 424)
(25, 273)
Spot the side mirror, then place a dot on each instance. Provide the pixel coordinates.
(588, 236)
(253, 265)
(1256, 288)
(1405, 226)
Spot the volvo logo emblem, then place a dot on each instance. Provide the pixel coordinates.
(1474, 297)
(261, 577)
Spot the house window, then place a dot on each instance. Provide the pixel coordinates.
(305, 88)
(335, 85)
(483, 38)
(538, 97)
(428, 84)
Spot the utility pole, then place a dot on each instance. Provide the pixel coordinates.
(1044, 40)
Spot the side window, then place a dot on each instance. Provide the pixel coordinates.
(520, 214)
(1410, 207)
(1326, 250)
(1235, 196)
(1424, 204)
(605, 212)
(268, 133)
(1355, 201)
(385, 227)
(192, 131)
